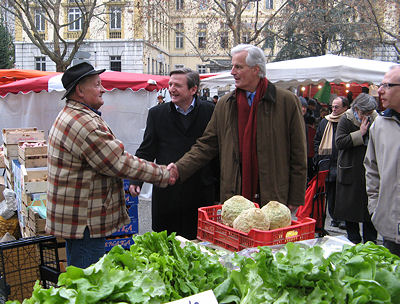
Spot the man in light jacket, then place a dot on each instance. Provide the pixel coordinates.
(382, 163)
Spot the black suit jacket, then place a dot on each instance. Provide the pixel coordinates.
(166, 140)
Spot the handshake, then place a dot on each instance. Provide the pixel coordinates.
(173, 173)
(173, 177)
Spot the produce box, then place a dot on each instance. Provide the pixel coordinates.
(10, 151)
(32, 223)
(32, 154)
(13, 136)
(34, 180)
(133, 226)
(2, 164)
(125, 241)
(211, 229)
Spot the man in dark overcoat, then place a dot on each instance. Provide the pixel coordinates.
(172, 128)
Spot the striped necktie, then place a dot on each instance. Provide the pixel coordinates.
(250, 99)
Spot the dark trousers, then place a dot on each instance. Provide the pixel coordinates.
(330, 188)
(368, 232)
(392, 246)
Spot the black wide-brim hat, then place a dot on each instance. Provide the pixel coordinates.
(75, 73)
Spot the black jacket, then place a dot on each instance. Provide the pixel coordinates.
(166, 139)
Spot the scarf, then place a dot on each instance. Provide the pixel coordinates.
(247, 125)
(325, 147)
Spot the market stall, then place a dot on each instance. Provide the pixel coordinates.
(314, 70)
(36, 102)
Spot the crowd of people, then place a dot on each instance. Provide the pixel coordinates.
(259, 140)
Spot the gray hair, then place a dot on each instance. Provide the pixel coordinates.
(364, 103)
(255, 56)
(192, 77)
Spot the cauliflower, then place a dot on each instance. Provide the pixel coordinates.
(278, 215)
(233, 207)
(249, 219)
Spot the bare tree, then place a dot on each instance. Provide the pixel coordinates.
(30, 13)
(240, 21)
(317, 27)
(384, 17)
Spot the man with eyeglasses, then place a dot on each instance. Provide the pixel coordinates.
(258, 132)
(325, 149)
(382, 164)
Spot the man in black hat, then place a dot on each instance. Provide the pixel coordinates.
(86, 165)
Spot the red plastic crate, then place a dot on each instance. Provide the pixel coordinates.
(211, 229)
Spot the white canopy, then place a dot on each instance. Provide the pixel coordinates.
(313, 70)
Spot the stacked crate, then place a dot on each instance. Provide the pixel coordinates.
(2, 165)
(124, 235)
(30, 185)
(11, 138)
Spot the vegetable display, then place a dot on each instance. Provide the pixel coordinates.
(157, 270)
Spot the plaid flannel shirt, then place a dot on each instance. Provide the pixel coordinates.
(86, 164)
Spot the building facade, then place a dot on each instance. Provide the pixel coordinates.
(145, 36)
(157, 36)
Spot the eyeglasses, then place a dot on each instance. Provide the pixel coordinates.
(388, 85)
(336, 107)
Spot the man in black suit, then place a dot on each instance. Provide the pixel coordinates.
(172, 128)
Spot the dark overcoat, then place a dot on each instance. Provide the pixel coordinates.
(351, 195)
(166, 139)
(281, 148)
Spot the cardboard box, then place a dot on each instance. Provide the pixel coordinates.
(126, 242)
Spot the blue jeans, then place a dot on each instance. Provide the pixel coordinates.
(84, 252)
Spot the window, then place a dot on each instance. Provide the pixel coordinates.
(115, 63)
(179, 4)
(224, 40)
(115, 18)
(201, 68)
(74, 19)
(269, 4)
(202, 40)
(202, 35)
(39, 21)
(179, 66)
(40, 63)
(179, 36)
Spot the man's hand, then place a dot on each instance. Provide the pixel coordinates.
(174, 174)
(134, 190)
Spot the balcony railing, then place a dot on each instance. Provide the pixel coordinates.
(115, 34)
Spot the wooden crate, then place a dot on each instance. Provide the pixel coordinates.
(11, 151)
(13, 136)
(31, 223)
(2, 164)
(34, 181)
(34, 161)
(32, 156)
